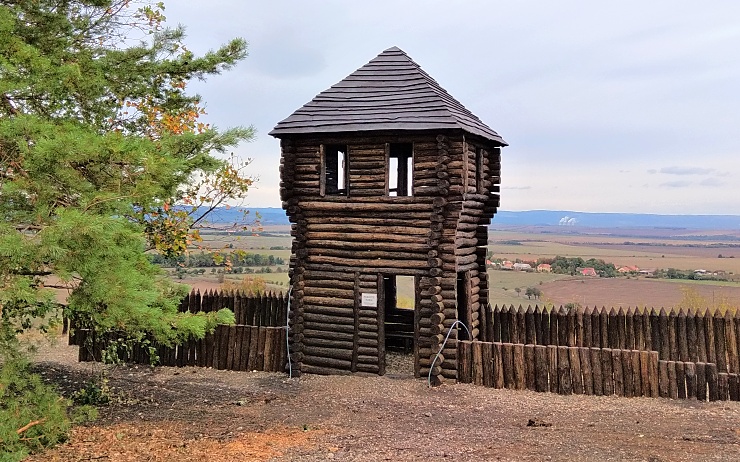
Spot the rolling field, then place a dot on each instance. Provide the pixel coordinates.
(646, 253)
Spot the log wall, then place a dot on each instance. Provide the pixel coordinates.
(592, 371)
(343, 245)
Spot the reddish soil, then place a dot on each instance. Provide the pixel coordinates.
(616, 292)
(194, 414)
(672, 249)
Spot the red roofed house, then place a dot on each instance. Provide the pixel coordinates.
(589, 272)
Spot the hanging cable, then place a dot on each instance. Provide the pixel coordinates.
(429, 378)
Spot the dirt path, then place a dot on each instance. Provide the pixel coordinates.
(191, 414)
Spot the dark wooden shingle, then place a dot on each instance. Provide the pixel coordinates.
(391, 92)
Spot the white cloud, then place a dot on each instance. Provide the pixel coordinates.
(676, 184)
(582, 91)
(713, 182)
(686, 170)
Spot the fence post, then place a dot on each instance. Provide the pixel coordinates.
(520, 379)
(575, 368)
(464, 359)
(607, 371)
(529, 365)
(588, 331)
(701, 381)
(690, 373)
(681, 378)
(733, 364)
(498, 366)
(508, 363)
(691, 339)
(477, 363)
(719, 341)
(541, 368)
(564, 379)
(552, 359)
(487, 354)
(529, 325)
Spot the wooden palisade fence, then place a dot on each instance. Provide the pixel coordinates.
(591, 371)
(255, 342)
(676, 336)
(605, 352)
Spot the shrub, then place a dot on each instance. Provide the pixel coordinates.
(32, 415)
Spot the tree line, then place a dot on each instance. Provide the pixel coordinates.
(571, 265)
(237, 258)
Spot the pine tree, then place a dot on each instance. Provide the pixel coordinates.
(103, 157)
(99, 141)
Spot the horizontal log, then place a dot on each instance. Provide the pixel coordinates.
(329, 310)
(368, 342)
(330, 275)
(416, 218)
(326, 283)
(328, 301)
(398, 204)
(382, 244)
(370, 335)
(327, 327)
(328, 353)
(328, 343)
(368, 351)
(310, 291)
(328, 334)
(320, 370)
(350, 231)
(359, 263)
(371, 368)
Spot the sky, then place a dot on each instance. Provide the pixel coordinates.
(628, 106)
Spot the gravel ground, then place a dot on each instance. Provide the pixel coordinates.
(204, 414)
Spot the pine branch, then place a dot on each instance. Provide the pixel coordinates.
(30, 424)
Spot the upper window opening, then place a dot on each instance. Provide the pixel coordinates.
(480, 154)
(335, 169)
(400, 169)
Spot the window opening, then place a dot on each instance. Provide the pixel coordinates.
(335, 170)
(400, 169)
(480, 154)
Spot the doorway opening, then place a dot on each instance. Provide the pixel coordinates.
(399, 297)
(463, 304)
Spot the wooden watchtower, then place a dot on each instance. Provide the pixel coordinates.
(385, 175)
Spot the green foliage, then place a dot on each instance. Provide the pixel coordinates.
(566, 265)
(99, 143)
(96, 392)
(32, 415)
(206, 259)
(99, 139)
(533, 292)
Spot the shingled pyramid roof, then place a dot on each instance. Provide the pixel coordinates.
(391, 92)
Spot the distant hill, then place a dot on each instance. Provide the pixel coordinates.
(565, 218)
(616, 220)
(267, 215)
